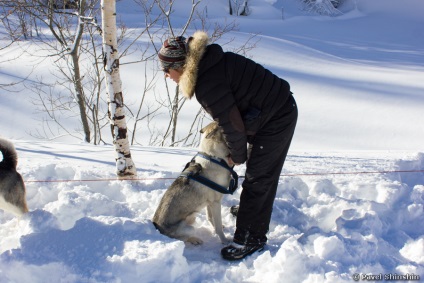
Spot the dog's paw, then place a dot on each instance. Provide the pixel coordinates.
(194, 241)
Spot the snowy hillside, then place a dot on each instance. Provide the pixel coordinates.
(351, 195)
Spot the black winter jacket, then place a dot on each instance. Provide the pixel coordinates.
(238, 93)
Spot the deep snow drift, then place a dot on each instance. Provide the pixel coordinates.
(326, 226)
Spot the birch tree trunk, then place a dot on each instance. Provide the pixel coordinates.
(125, 167)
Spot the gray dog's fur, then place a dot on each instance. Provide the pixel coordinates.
(12, 187)
(185, 198)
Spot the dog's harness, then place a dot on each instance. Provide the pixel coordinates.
(208, 183)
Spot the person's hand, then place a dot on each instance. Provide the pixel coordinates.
(231, 162)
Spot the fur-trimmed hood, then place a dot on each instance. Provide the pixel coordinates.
(196, 48)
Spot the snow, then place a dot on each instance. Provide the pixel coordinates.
(350, 199)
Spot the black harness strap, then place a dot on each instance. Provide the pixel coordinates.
(232, 187)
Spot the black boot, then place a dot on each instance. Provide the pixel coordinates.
(234, 210)
(236, 251)
(244, 244)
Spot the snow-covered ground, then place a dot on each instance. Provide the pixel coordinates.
(325, 227)
(351, 195)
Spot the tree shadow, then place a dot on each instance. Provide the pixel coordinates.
(84, 248)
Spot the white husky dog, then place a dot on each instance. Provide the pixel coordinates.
(185, 198)
(12, 187)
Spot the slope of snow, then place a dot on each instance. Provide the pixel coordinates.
(350, 198)
(334, 216)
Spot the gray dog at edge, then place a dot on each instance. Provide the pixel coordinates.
(12, 187)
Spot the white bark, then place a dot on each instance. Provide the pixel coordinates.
(124, 165)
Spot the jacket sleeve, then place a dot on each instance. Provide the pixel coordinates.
(218, 100)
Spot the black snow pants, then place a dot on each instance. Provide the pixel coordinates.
(269, 149)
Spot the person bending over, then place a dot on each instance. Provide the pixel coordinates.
(256, 111)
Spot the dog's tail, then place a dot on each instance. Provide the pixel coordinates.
(10, 157)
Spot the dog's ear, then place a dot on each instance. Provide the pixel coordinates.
(203, 129)
(212, 133)
(206, 128)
